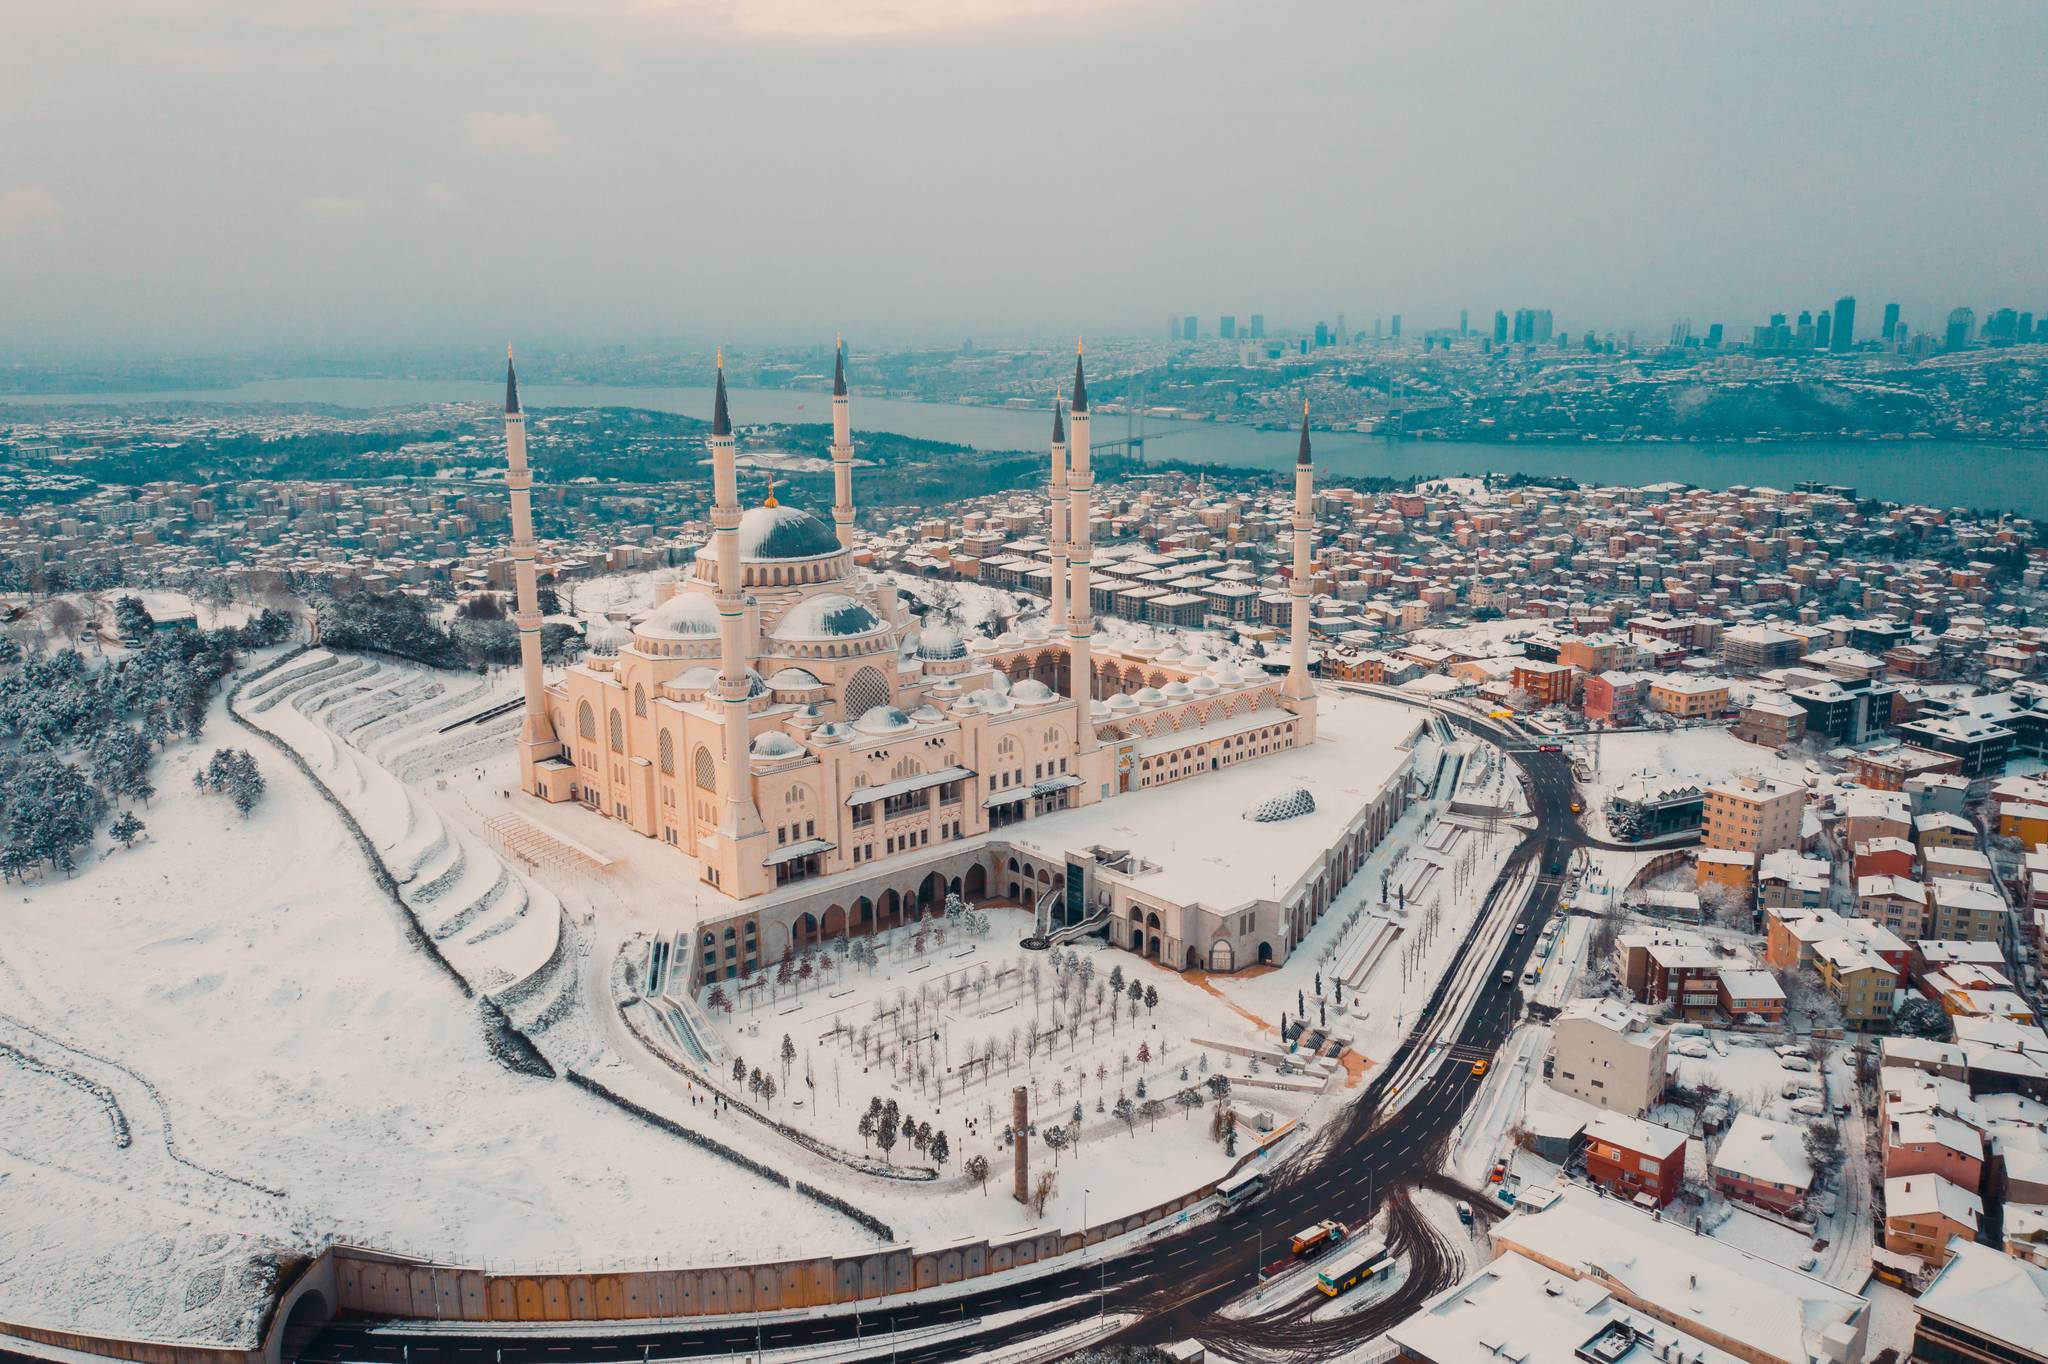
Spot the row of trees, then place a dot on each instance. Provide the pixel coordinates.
(479, 636)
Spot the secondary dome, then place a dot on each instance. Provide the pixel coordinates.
(687, 615)
(782, 532)
(776, 744)
(829, 615)
(1032, 692)
(939, 644)
(884, 720)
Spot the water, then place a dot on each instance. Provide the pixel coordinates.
(1940, 473)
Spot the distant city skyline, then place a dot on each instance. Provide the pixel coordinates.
(433, 171)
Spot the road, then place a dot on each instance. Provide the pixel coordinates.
(1178, 1282)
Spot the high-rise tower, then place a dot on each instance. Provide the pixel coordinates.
(537, 734)
(842, 450)
(1080, 613)
(1059, 509)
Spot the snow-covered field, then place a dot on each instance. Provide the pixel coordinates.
(241, 998)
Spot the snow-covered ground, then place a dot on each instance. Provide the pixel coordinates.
(947, 1031)
(288, 1067)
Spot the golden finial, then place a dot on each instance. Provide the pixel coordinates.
(1077, 345)
(771, 502)
(721, 357)
(508, 350)
(1304, 404)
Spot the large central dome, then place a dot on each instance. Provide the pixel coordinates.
(781, 532)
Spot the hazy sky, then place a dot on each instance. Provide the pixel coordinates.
(191, 175)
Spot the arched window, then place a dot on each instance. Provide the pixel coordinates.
(864, 692)
(586, 721)
(640, 701)
(618, 732)
(703, 770)
(667, 748)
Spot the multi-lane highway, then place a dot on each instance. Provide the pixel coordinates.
(1394, 1137)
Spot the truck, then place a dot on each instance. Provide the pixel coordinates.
(1314, 1240)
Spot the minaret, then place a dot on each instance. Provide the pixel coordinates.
(1080, 615)
(1299, 688)
(537, 735)
(740, 818)
(842, 450)
(1058, 529)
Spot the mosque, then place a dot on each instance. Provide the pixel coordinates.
(823, 765)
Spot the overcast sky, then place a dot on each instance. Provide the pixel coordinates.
(197, 175)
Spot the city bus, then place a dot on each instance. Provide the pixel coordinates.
(1356, 1264)
(1241, 1188)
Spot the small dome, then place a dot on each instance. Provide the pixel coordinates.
(1170, 654)
(782, 532)
(1033, 631)
(884, 720)
(831, 733)
(1286, 804)
(1098, 710)
(1150, 696)
(1203, 686)
(1123, 703)
(703, 677)
(776, 744)
(1032, 692)
(687, 615)
(940, 644)
(829, 615)
(927, 715)
(794, 679)
(992, 701)
(1177, 690)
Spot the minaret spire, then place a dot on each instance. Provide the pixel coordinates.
(537, 732)
(1059, 511)
(1080, 612)
(740, 817)
(1299, 691)
(842, 449)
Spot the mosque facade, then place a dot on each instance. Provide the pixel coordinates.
(779, 719)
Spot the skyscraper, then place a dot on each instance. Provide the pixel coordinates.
(1962, 323)
(1464, 322)
(1173, 327)
(1844, 335)
(1258, 326)
(1226, 327)
(1189, 328)
(1823, 330)
(1322, 335)
(1500, 327)
(1891, 321)
(1714, 334)
(1397, 326)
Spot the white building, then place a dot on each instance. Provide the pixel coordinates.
(1609, 1054)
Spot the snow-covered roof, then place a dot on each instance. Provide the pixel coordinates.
(1770, 1152)
(1764, 1307)
(1516, 1309)
(1928, 1195)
